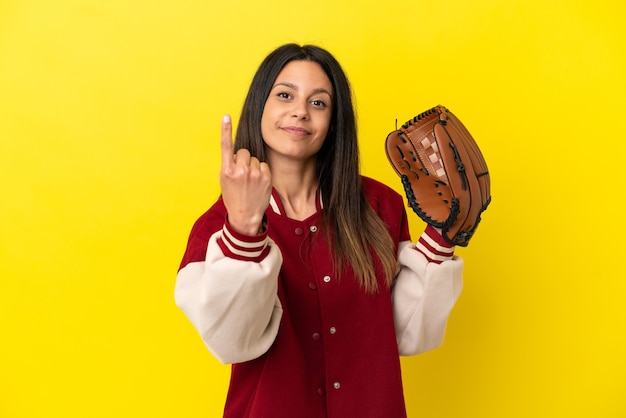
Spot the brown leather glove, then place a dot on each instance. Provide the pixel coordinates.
(444, 174)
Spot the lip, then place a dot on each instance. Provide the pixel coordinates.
(296, 130)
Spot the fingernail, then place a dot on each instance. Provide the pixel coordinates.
(226, 118)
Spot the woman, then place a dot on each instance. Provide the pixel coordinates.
(303, 275)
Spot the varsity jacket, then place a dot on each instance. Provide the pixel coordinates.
(303, 341)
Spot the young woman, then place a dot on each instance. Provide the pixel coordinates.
(303, 275)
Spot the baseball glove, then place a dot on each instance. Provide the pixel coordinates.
(444, 174)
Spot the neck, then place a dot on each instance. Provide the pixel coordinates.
(297, 187)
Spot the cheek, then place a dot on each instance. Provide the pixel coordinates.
(325, 126)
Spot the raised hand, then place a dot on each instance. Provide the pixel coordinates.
(246, 185)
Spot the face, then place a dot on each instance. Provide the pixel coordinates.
(297, 112)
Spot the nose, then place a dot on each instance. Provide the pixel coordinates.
(300, 109)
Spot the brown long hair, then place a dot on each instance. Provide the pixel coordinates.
(356, 230)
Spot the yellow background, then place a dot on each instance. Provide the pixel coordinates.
(109, 129)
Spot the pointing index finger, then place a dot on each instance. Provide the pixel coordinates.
(227, 142)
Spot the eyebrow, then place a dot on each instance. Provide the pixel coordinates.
(294, 87)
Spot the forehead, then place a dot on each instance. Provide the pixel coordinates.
(304, 74)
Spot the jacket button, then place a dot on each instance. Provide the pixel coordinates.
(313, 228)
(299, 231)
(333, 330)
(316, 336)
(326, 279)
(336, 385)
(312, 285)
(320, 391)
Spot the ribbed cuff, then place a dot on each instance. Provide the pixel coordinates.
(244, 247)
(434, 247)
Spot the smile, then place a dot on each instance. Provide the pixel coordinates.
(294, 130)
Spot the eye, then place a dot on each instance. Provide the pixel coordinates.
(318, 103)
(283, 95)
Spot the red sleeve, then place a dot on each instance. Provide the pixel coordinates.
(233, 244)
